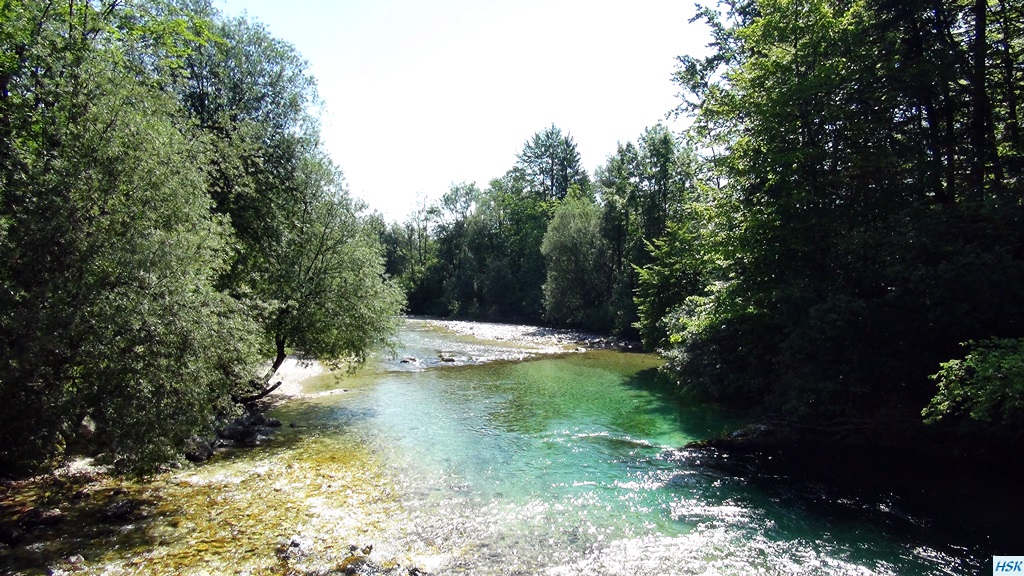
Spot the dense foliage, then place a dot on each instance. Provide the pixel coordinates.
(844, 211)
(166, 215)
(988, 384)
(544, 242)
(866, 201)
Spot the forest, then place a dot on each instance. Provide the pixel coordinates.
(836, 240)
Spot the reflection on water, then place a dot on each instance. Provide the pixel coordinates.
(558, 465)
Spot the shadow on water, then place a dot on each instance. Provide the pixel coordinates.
(697, 419)
(896, 497)
(899, 497)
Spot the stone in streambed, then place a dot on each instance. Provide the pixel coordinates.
(42, 517)
(258, 420)
(294, 548)
(240, 434)
(358, 558)
(119, 510)
(752, 438)
(87, 427)
(246, 435)
(198, 450)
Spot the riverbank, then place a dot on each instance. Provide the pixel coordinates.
(553, 339)
(513, 342)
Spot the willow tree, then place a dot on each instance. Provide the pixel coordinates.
(109, 308)
(307, 264)
(324, 280)
(154, 254)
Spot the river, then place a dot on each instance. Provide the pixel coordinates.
(485, 456)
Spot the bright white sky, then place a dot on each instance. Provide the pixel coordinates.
(420, 94)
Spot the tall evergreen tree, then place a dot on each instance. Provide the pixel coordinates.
(552, 164)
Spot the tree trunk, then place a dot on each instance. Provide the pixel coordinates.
(280, 342)
(1009, 77)
(979, 132)
(258, 396)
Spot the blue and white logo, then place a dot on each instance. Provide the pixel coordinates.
(1008, 565)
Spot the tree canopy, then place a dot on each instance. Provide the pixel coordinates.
(551, 164)
(861, 212)
(165, 204)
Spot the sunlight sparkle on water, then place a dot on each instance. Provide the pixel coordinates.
(560, 465)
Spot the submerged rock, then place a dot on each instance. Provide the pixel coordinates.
(358, 561)
(87, 427)
(119, 510)
(751, 438)
(240, 434)
(42, 517)
(251, 430)
(352, 564)
(246, 435)
(198, 450)
(295, 548)
(258, 420)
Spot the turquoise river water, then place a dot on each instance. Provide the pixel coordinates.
(488, 463)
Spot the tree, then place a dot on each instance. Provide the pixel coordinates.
(306, 263)
(987, 384)
(250, 93)
(455, 269)
(326, 289)
(516, 221)
(109, 308)
(574, 250)
(125, 299)
(642, 188)
(859, 208)
(486, 261)
(409, 254)
(676, 273)
(551, 164)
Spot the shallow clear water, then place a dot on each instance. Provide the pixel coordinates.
(569, 465)
(485, 465)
